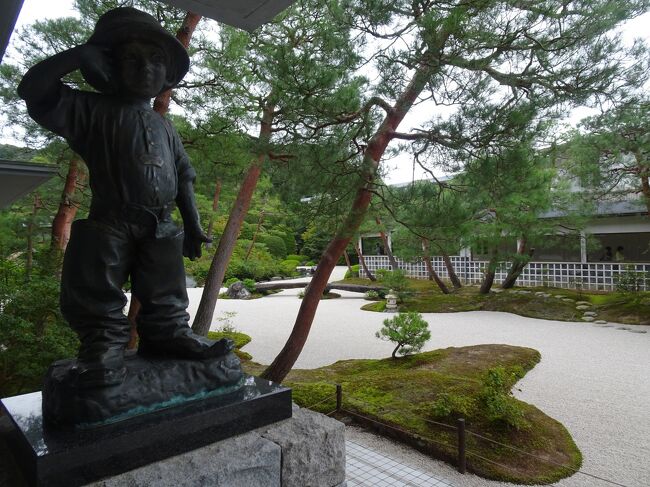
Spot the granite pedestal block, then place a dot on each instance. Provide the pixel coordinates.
(72, 458)
(313, 449)
(307, 450)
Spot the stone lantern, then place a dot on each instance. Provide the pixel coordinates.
(391, 301)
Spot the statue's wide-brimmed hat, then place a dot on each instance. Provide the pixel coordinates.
(124, 24)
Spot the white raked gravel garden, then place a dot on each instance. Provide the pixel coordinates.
(595, 379)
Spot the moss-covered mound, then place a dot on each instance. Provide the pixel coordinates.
(425, 297)
(412, 394)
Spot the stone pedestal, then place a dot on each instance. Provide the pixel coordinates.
(307, 450)
(72, 458)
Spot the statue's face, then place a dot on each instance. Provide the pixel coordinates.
(142, 69)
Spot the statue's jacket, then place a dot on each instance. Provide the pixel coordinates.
(134, 155)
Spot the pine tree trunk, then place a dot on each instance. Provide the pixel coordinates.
(219, 265)
(67, 207)
(518, 265)
(450, 270)
(134, 309)
(184, 35)
(488, 280)
(433, 275)
(362, 262)
(215, 206)
(389, 252)
(375, 149)
(347, 261)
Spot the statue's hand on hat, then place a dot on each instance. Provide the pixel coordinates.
(97, 67)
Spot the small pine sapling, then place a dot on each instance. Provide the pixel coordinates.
(409, 330)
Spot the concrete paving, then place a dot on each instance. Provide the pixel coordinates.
(592, 378)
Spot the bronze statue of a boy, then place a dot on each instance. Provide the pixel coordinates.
(139, 172)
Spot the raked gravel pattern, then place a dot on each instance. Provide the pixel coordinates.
(595, 379)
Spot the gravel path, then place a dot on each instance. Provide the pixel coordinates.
(592, 378)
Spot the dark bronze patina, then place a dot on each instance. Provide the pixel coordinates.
(139, 172)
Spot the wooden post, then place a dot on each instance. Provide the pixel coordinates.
(461, 445)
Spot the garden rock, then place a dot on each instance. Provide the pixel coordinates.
(588, 318)
(590, 313)
(600, 322)
(582, 307)
(585, 303)
(568, 300)
(238, 291)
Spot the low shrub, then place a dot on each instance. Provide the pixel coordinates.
(249, 284)
(354, 273)
(288, 267)
(275, 245)
(299, 258)
(495, 396)
(372, 294)
(449, 404)
(230, 281)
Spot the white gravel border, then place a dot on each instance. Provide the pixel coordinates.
(593, 379)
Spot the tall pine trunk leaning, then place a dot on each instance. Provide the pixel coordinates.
(217, 271)
(450, 269)
(373, 153)
(518, 264)
(389, 251)
(161, 106)
(348, 263)
(490, 273)
(433, 275)
(362, 263)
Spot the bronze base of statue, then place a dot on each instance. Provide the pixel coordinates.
(149, 384)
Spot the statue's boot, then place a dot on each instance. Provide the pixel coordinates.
(102, 370)
(185, 344)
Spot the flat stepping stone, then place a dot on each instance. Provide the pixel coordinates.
(588, 318)
(601, 322)
(637, 331)
(590, 313)
(604, 326)
(623, 328)
(558, 296)
(568, 300)
(525, 292)
(584, 302)
(582, 307)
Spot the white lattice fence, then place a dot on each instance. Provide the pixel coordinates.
(572, 275)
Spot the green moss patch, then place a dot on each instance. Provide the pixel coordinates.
(240, 339)
(413, 393)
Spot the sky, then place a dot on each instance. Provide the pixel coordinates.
(400, 168)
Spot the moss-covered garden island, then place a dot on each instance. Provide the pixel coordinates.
(541, 302)
(412, 394)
